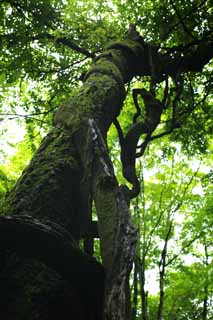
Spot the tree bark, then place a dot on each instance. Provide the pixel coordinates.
(135, 290)
(143, 292)
(72, 167)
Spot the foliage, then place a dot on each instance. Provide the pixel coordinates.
(186, 292)
(174, 217)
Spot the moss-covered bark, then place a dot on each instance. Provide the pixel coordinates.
(50, 188)
(69, 168)
(57, 183)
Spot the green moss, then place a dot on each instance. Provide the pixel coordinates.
(128, 44)
(103, 85)
(49, 188)
(100, 94)
(116, 58)
(106, 67)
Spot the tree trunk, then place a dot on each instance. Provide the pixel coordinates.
(135, 290)
(143, 296)
(161, 298)
(143, 292)
(206, 285)
(72, 167)
(205, 303)
(58, 282)
(162, 269)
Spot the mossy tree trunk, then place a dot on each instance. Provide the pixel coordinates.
(72, 168)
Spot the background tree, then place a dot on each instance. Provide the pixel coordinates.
(167, 240)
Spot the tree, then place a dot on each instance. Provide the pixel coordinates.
(72, 168)
(185, 297)
(169, 205)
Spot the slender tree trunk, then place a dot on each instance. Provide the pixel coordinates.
(161, 296)
(135, 290)
(162, 268)
(206, 293)
(143, 292)
(205, 303)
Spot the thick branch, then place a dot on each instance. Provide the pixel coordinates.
(153, 108)
(70, 44)
(192, 60)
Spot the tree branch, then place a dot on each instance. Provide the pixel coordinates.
(61, 40)
(70, 44)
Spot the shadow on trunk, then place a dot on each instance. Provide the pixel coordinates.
(60, 279)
